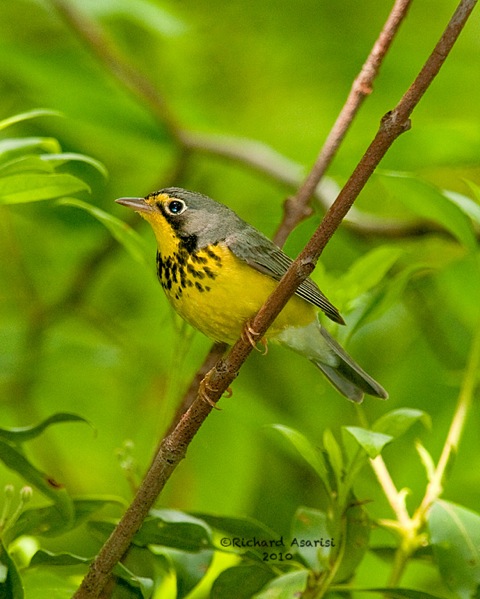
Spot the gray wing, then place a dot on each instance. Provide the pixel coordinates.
(263, 255)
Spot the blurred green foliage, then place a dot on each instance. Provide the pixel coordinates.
(85, 329)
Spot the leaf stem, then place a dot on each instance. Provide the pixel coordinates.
(435, 485)
(395, 498)
(411, 529)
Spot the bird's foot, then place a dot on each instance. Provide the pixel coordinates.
(250, 335)
(204, 390)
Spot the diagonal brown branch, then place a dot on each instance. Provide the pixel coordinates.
(175, 445)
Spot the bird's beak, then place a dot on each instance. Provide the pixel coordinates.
(137, 204)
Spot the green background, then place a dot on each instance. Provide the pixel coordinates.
(276, 72)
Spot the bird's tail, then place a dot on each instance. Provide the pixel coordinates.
(315, 343)
(347, 376)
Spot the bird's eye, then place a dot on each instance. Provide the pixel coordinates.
(176, 207)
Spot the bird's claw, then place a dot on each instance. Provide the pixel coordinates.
(203, 392)
(250, 335)
(204, 389)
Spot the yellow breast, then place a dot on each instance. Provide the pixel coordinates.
(217, 293)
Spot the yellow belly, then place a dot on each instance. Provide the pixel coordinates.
(224, 292)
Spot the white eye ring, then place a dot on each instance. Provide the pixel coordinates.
(175, 207)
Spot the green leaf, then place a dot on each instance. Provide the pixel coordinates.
(286, 586)
(427, 460)
(373, 305)
(397, 422)
(168, 528)
(49, 583)
(16, 461)
(58, 517)
(311, 538)
(176, 529)
(124, 234)
(476, 192)
(25, 116)
(64, 157)
(430, 203)
(24, 145)
(357, 532)
(26, 164)
(145, 585)
(10, 582)
(48, 558)
(372, 442)
(48, 521)
(26, 433)
(186, 567)
(236, 528)
(18, 189)
(466, 204)
(369, 270)
(241, 582)
(334, 455)
(455, 537)
(398, 593)
(311, 455)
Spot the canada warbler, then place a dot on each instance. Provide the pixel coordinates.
(217, 270)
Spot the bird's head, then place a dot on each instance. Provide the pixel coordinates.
(184, 216)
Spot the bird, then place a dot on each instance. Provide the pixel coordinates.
(217, 270)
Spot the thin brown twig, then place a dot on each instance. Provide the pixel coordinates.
(174, 446)
(297, 207)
